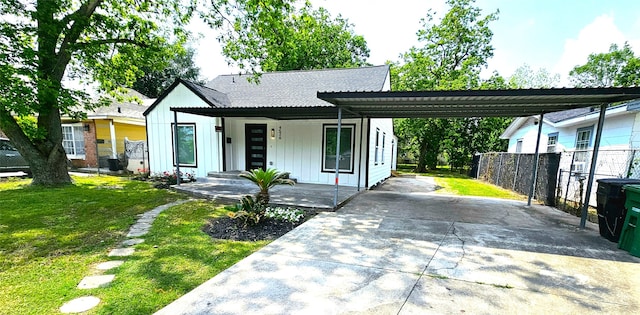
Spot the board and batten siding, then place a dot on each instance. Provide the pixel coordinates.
(382, 169)
(159, 134)
(296, 148)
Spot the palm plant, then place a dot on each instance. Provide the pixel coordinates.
(266, 180)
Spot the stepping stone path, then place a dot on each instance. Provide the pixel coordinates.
(140, 228)
(79, 305)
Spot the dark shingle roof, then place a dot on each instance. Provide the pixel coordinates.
(211, 96)
(567, 114)
(297, 88)
(557, 117)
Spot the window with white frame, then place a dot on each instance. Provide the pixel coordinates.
(186, 144)
(552, 141)
(329, 142)
(583, 138)
(583, 142)
(73, 141)
(376, 158)
(519, 146)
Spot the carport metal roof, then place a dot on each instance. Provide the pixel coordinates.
(474, 103)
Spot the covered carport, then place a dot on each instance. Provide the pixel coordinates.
(482, 103)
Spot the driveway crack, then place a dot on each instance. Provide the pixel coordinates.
(427, 266)
(462, 242)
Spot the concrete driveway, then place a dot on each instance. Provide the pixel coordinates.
(402, 249)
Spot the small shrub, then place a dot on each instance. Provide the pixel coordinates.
(290, 215)
(265, 180)
(248, 211)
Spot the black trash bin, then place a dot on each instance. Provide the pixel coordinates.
(611, 211)
(114, 165)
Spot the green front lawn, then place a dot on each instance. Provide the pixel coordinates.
(453, 182)
(50, 238)
(472, 187)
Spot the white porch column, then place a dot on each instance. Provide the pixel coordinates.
(112, 129)
(335, 195)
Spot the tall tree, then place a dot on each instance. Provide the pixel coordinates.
(618, 67)
(455, 51)
(44, 41)
(301, 40)
(158, 77)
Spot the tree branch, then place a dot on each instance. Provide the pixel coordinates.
(111, 41)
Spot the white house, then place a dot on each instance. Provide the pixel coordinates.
(575, 129)
(234, 123)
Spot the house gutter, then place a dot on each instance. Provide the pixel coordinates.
(592, 169)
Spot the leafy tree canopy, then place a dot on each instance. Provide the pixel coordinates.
(618, 67)
(298, 40)
(155, 80)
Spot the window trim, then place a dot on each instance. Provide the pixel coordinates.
(583, 129)
(323, 169)
(376, 155)
(73, 126)
(555, 145)
(195, 145)
(519, 145)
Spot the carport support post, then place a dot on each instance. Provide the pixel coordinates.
(592, 169)
(176, 146)
(360, 153)
(335, 194)
(532, 189)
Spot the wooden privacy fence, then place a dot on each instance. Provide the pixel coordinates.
(514, 171)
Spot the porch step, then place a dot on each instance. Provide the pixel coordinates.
(231, 174)
(226, 178)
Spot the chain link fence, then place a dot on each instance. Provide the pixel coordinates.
(514, 171)
(574, 174)
(562, 177)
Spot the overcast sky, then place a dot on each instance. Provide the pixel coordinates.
(551, 34)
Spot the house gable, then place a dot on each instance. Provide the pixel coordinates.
(209, 96)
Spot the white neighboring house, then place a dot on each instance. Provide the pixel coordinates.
(572, 133)
(223, 140)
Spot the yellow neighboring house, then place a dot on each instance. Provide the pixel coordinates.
(99, 140)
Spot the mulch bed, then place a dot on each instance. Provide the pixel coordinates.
(268, 229)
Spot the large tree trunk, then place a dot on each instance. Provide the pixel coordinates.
(52, 170)
(422, 157)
